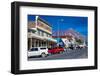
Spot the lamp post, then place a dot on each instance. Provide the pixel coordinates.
(61, 20)
(58, 32)
(36, 21)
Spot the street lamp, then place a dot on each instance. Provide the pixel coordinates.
(61, 20)
(36, 21)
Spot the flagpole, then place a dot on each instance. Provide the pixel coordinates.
(36, 21)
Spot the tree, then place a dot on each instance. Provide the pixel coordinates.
(79, 41)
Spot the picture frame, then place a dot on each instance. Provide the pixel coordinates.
(19, 11)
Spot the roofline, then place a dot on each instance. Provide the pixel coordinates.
(44, 21)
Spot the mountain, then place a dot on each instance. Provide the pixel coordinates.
(74, 33)
(70, 32)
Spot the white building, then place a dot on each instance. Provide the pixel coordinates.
(68, 41)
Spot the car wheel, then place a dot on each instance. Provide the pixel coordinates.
(43, 55)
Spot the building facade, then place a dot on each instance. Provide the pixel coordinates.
(65, 41)
(40, 34)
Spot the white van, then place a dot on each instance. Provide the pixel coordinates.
(38, 51)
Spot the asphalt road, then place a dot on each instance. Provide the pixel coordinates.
(68, 54)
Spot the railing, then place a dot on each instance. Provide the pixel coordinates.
(32, 35)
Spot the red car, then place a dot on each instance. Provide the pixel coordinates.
(56, 50)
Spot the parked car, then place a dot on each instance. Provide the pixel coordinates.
(71, 47)
(77, 47)
(56, 50)
(82, 46)
(38, 51)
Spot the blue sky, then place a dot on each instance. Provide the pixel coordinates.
(79, 24)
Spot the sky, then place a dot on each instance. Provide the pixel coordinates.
(63, 23)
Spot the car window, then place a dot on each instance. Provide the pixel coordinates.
(34, 49)
(42, 48)
(49, 48)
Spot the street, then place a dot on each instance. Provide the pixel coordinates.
(68, 54)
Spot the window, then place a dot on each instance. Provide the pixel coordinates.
(48, 35)
(42, 33)
(39, 32)
(29, 30)
(34, 49)
(45, 34)
(42, 48)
